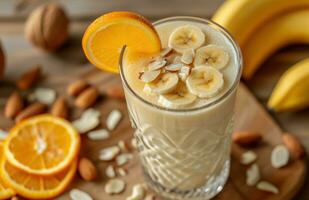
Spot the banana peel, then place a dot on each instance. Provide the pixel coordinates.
(292, 91)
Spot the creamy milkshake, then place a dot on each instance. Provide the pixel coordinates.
(181, 103)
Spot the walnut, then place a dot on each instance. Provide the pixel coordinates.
(47, 27)
(2, 62)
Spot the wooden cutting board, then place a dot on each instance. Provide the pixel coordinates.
(249, 116)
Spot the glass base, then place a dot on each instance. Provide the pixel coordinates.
(208, 191)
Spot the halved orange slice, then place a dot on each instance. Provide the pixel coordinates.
(105, 37)
(42, 145)
(36, 186)
(5, 192)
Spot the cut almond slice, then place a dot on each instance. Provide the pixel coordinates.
(113, 119)
(123, 146)
(134, 143)
(188, 56)
(177, 59)
(138, 192)
(110, 171)
(253, 175)
(77, 194)
(248, 157)
(3, 134)
(115, 186)
(280, 156)
(157, 64)
(165, 52)
(122, 172)
(267, 187)
(123, 158)
(174, 67)
(45, 95)
(184, 72)
(149, 76)
(101, 134)
(109, 153)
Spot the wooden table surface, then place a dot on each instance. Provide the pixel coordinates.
(81, 12)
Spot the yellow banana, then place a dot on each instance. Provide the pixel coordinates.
(291, 92)
(290, 28)
(242, 17)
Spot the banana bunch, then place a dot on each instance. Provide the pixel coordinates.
(263, 27)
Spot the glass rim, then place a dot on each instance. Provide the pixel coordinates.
(207, 105)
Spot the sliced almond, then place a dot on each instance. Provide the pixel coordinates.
(165, 52)
(100, 134)
(184, 72)
(267, 187)
(138, 192)
(188, 56)
(134, 143)
(77, 194)
(109, 153)
(253, 175)
(123, 158)
(156, 64)
(149, 76)
(115, 186)
(292, 143)
(123, 146)
(110, 171)
(177, 59)
(280, 156)
(45, 95)
(113, 119)
(122, 172)
(248, 157)
(174, 67)
(3, 134)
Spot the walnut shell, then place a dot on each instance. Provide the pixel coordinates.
(47, 27)
(2, 62)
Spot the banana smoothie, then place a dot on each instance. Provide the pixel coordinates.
(181, 103)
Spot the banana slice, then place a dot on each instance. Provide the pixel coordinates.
(212, 55)
(179, 98)
(205, 81)
(162, 85)
(186, 37)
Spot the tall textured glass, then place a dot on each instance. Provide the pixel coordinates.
(185, 153)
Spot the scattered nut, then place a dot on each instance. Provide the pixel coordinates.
(60, 108)
(3, 134)
(123, 159)
(47, 27)
(122, 172)
(110, 171)
(279, 156)
(292, 143)
(248, 157)
(177, 59)
(150, 197)
(2, 61)
(109, 153)
(87, 170)
(113, 119)
(45, 95)
(134, 143)
(29, 78)
(123, 146)
(156, 64)
(89, 120)
(188, 56)
(138, 192)
(77, 194)
(87, 98)
(149, 76)
(77, 87)
(174, 67)
(253, 175)
(30, 111)
(247, 138)
(90, 112)
(184, 72)
(14, 105)
(268, 187)
(100, 134)
(115, 92)
(115, 186)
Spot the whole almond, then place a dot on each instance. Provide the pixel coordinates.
(87, 98)
(60, 108)
(30, 111)
(29, 78)
(87, 170)
(77, 87)
(13, 105)
(295, 148)
(247, 138)
(115, 92)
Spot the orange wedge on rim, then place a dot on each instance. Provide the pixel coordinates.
(42, 145)
(5, 192)
(105, 37)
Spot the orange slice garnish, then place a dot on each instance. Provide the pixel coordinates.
(36, 186)
(5, 192)
(105, 37)
(42, 145)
